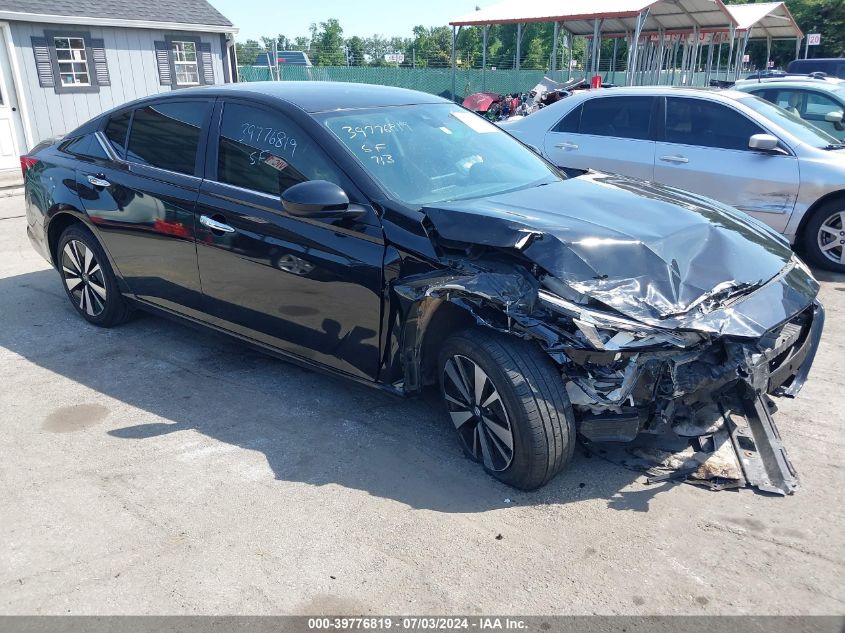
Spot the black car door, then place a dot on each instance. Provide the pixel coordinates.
(142, 198)
(310, 287)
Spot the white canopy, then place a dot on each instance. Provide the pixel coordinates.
(768, 19)
(618, 16)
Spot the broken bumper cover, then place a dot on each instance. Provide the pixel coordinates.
(721, 411)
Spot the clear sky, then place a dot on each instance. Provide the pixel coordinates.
(255, 18)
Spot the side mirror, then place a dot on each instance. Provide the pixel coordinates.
(763, 142)
(317, 199)
(834, 117)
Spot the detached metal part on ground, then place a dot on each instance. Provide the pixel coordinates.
(672, 319)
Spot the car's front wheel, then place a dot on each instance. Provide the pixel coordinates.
(88, 279)
(824, 236)
(509, 406)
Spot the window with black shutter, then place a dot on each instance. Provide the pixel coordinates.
(70, 61)
(184, 61)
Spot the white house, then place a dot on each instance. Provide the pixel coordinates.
(65, 61)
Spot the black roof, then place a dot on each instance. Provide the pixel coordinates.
(197, 12)
(321, 96)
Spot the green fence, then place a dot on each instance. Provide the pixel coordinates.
(432, 80)
(439, 80)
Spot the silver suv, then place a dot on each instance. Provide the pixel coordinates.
(734, 147)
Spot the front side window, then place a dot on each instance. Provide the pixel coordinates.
(803, 130)
(620, 117)
(707, 124)
(819, 105)
(185, 63)
(167, 135)
(72, 60)
(265, 151)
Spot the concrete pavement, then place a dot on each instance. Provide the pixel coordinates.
(155, 469)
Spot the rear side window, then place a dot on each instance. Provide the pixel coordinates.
(265, 151)
(116, 130)
(167, 135)
(85, 146)
(707, 124)
(571, 122)
(620, 117)
(787, 99)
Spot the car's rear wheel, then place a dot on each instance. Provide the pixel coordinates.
(823, 241)
(509, 406)
(88, 279)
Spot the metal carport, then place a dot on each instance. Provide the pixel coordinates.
(663, 20)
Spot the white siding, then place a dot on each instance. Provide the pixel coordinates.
(130, 54)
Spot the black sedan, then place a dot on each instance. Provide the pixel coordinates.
(399, 240)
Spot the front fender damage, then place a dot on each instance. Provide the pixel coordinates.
(676, 404)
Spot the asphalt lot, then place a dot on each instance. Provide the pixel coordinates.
(156, 469)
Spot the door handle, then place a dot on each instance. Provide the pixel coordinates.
(97, 181)
(675, 159)
(214, 225)
(566, 146)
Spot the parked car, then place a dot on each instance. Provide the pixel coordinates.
(832, 66)
(294, 58)
(765, 74)
(822, 103)
(397, 239)
(731, 146)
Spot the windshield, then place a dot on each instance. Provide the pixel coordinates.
(423, 154)
(792, 123)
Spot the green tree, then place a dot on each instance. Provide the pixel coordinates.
(283, 43)
(355, 47)
(248, 51)
(327, 43)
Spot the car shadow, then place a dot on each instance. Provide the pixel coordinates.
(311, 427)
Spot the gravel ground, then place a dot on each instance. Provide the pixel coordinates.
(155, 469)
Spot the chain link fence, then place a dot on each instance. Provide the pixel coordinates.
(436, 81)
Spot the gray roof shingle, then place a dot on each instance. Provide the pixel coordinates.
(182, 11)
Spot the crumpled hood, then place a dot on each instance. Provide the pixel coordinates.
(652, 253)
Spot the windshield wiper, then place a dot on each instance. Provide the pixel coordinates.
(836, 146)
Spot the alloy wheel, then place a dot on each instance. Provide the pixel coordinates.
(831, 237)
(84, 278)
(478, 413)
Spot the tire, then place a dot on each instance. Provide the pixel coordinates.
(523, 394)
(823, 238)
(88, 278)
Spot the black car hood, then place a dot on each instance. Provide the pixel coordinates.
(652, 253)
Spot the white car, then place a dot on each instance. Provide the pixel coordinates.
(734, 147)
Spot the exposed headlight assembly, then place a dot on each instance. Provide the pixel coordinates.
(608, 332)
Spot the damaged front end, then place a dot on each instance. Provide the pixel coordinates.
(673, 349)
(713, 391)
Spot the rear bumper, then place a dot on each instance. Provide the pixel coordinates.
(39, 242)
